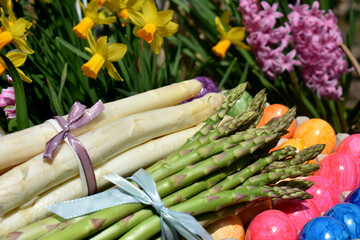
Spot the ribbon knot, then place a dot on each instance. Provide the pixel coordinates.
(172, 223)
(77, 118)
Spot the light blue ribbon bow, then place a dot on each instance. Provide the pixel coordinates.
(172, 223)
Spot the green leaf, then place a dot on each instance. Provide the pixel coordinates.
(245, 73)
(22, 118)
(227, 73)
(182, 5)
(54, 99)
(73, 49)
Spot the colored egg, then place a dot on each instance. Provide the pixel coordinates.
(325, 194)
(273, 111)
(324, 228)
(294, 142)
(354, 197)
(227, 228)
(299, 212)
(351, 145)
(341, 169)
(271, 225)
(317, 131)
(349, 215)
(253, 210)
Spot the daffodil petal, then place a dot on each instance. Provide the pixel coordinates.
(225, 17)
(23, 76)
(136, 5)
(236, 34)
(4, 21)
(170, 29)
(242, 45)
(136, 18)
(102, 19)
(20, 26)
(150, 11)
(16, 57)
(22, 45)
(92, 10)
(116, 51)
(163, 18)
(101, 48)
(89, 50)
(91, 41)
(156, 43)
(112, 71)
(219, 27)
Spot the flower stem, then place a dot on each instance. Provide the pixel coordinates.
(340, 110)
(351, 58)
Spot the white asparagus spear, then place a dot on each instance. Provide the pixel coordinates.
(20, 146)
(26, 181)
(123, 164)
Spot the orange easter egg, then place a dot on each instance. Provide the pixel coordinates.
(227, 228)
(294, 142)
(317, 131)
(276, 110)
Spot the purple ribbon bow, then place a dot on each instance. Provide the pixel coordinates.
(77, 118)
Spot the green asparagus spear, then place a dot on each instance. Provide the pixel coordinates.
(198, 205)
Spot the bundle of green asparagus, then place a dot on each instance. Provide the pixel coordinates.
(224, 166)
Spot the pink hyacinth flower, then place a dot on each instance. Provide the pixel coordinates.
(7, 100)
(316, 40)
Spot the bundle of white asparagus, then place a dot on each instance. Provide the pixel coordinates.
(123, 164)
(20, 146)
(118, 146)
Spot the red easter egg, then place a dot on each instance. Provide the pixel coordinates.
(298, 211)
(317, 131)
(276, 110)
(325, 194)
(342, 171)
(271, 225)
(351, 146)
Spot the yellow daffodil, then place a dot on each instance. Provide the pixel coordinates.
(234, 36)
(103, 55)
(121, 7)
(152, 25)
(13, 31)
(18, 58)
(92, 16)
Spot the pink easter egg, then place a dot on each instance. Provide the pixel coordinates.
(342, 171)
(351, 146)
(271, 225)
(298, 211)
(325, 195)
